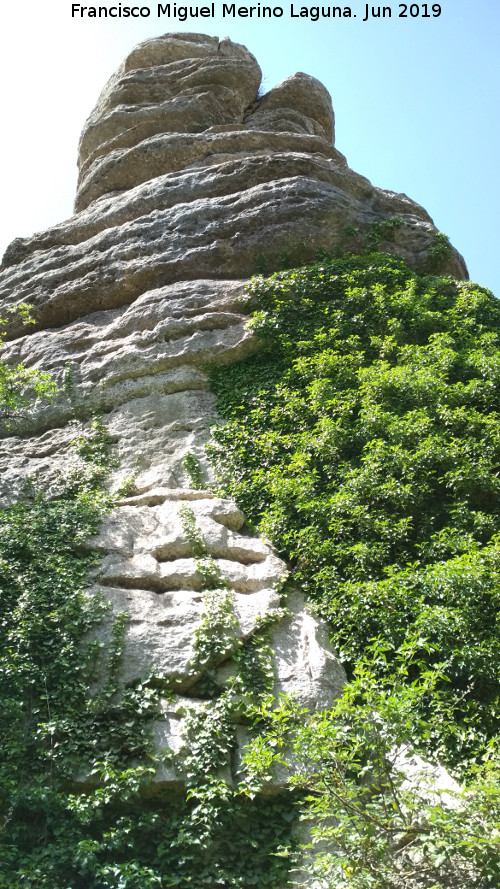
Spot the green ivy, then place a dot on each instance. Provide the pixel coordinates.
(194, 471)
(76, 810)
(223, 835)
(439, 251)
(216, 633)
(364, 441)
(51, 728)
(382, 231)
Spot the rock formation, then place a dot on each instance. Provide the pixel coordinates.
(187, 175)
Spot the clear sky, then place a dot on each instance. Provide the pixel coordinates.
(416, 101)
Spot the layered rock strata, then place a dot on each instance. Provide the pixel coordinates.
(187, 175)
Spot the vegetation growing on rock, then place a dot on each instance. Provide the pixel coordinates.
(75, 760)
(19, 385)
(76, 746)
(363, 440)
(359, 470)
(52, 728)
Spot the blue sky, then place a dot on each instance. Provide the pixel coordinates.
(416, 102)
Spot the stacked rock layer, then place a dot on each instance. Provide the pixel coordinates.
(187, 176)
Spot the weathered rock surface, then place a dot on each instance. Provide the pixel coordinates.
(143, 365)
(187, 175)
(182, 83)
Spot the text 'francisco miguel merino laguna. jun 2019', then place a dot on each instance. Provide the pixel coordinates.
(364, 12)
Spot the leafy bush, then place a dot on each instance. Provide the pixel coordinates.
(377, 815)
(20, 385)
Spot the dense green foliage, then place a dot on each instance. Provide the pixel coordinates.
(364, 440)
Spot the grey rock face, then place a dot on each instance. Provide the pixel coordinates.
(187, 173)
(186, 176)
(299, 104)
(143, 366)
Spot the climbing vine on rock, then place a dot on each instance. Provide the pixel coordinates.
(51, 728)
(224, 835)
(364, 440)
(75, 763)
(194, 471)
(20, 386)
(216, 633)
